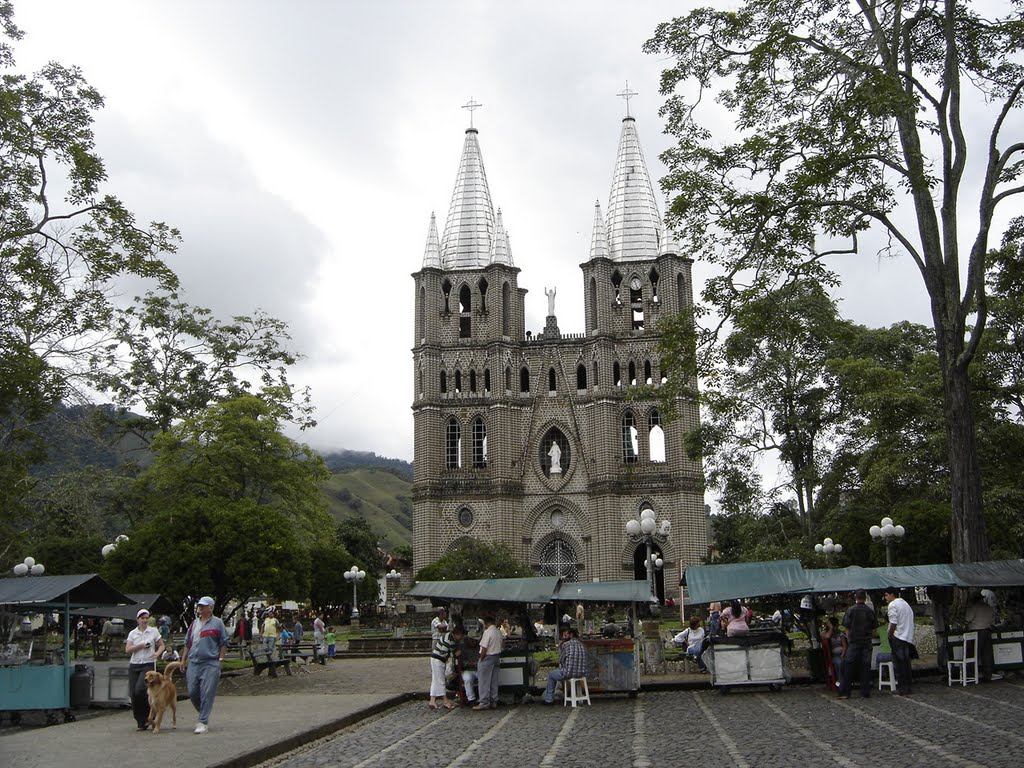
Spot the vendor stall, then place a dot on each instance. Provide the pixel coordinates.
(755, 659)
(614, 664)
(43, 680)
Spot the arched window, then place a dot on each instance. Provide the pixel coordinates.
(581, 376)
(636, 303)
(593, 303)
(487, 379)
(465, 312)
(680, 293)
(446, 293)
(506, 310)
(482, 286)
(524, 379)
(444, 383)
(552, 383)
(647, 372)
(479, 443)
(458, 381)
(558, 559)
(508, 379)
(656, 438)
(616, 374)
(630, 444)
(617, 286)
(472, 380)
(453, 445)
(654, 277)
(632, 374)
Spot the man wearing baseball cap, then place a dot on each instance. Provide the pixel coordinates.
(205, 645)
(144, 645)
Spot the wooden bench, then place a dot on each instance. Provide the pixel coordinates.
(303, 651)
(261, 661)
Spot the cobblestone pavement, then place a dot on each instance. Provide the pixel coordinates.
(936, 726)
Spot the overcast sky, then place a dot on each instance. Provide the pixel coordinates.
(300, 147)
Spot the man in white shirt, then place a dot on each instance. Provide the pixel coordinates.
(438, 625)
(487, 666)
(901, 637)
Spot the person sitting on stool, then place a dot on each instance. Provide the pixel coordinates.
(572, 662)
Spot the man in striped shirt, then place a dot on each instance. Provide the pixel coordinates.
(572, 662)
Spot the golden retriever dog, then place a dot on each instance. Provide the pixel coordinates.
(162, 694)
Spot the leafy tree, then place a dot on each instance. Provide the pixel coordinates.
(228, 549)
(357, 537)
(235, 451)
(328, 590)
(847, 115)
(474, 559)
(63, 245)
(174, 360)
(769, 395)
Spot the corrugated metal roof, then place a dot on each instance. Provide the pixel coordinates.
(634, 221)
(84, 590)
(469, 229)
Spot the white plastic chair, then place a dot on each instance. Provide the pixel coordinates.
(576, 690)
(886, 675)
(959, 671)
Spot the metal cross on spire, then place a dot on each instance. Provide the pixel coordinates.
(472, 105)
(626, 94)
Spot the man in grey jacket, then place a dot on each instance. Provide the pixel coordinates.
(205, 645)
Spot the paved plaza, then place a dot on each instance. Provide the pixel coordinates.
(798, 726)
(358, 713)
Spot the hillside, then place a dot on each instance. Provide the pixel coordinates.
(380, 496)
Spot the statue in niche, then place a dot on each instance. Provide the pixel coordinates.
(551, 300)
(555, 454)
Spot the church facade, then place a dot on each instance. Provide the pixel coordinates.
(551, 443)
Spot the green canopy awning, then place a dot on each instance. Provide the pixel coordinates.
(604, 591)
(42, 592)
(785, 577)
(537, 589)
(706, 583)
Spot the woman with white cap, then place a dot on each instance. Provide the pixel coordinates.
(145, 645)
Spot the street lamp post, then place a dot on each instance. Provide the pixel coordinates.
(355, 575)
(29, 568)
(828, 547)
(393, 579)
(648, 530)
(887, 534)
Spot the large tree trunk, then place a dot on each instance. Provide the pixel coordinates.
(969, 538)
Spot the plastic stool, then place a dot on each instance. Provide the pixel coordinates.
(889, 680)
(576, 690)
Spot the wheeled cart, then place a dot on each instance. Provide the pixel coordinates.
(755, 659)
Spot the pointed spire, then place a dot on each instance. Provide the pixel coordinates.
(432, 253)
(599, 240)
(469, 230)
(501, 253)
(634, 221)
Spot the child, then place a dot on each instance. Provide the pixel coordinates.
(330, 638)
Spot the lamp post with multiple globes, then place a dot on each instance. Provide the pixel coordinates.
(828, 547)
(887, 534)
(648, 530)
(29, 568)
(355, 576)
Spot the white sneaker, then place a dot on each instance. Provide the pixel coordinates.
(201, 728)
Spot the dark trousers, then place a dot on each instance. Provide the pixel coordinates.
(137, 691)
(856, 664)
(901, 663)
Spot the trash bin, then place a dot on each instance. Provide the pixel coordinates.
(81, 686)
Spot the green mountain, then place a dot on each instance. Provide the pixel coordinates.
(377, 494)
